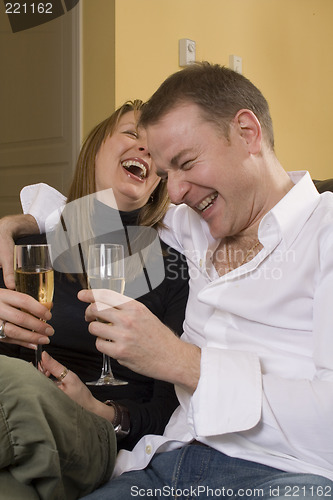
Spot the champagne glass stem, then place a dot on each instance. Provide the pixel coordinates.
(38, 356)
(106, 370)
(107, 377)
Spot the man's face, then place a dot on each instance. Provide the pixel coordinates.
(204, 169)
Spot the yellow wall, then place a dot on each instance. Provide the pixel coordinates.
(98, 60)
(286, 46)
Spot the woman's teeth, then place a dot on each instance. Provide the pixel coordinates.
(136, 168)
(207, 202)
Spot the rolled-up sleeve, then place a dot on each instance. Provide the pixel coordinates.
(40, 201)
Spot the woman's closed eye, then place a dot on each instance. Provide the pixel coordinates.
(132, 133)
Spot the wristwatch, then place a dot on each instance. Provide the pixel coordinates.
(121, 421)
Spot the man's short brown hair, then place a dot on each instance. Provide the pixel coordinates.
(219, 92)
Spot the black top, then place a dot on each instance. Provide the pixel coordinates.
(150, 402)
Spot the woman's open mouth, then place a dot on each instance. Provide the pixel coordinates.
(136, 168)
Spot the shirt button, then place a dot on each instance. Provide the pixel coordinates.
(149, 449)
(200, 263)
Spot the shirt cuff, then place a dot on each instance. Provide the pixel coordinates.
(41, 200)
(228, 397)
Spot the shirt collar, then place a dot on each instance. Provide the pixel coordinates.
(286, 219)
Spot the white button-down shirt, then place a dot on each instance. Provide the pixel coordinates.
(266, 335)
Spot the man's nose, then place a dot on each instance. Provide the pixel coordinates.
(177, 188)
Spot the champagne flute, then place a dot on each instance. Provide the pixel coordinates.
(34, 276)
(105, 269)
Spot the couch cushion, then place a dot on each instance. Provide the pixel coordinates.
(326, 185)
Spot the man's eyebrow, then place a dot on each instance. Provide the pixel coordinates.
(175, 159)
(174, 162)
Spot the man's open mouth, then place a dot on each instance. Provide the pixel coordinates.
(207, 202)
(136, 168)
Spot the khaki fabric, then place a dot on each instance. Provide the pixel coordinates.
(50, 447)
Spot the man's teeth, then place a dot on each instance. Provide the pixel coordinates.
(206, 202)
(133, 166)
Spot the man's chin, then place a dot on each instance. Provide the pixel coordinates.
(214, 231)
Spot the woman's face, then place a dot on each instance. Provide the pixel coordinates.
(123, 163)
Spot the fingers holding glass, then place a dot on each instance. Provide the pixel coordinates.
(23, 326)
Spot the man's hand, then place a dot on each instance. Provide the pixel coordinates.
(75, 388)
(139, 340)
(12, 227)
(21, 312)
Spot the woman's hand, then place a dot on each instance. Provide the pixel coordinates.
(139, 340)
(71, 385)
(12, 227)
(24, 319)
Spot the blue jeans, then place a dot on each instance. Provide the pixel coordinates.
(197, 471)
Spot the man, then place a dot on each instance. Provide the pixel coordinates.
(258, 393)
(253, 369)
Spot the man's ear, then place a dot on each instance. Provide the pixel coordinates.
(249, 129)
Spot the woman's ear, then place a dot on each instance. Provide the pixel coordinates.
(249, 129)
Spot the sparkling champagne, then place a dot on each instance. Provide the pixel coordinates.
(39, 284)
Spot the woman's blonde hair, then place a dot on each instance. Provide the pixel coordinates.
(84, 182)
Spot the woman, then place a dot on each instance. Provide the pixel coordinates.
(115, 156)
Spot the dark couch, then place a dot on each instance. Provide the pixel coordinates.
(326, 185)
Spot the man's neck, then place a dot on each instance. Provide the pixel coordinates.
(237, 249)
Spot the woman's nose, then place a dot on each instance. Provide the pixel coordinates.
(142, 146)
